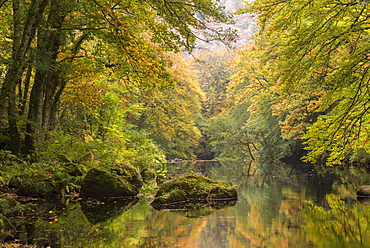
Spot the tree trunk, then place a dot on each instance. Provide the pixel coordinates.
(22, 39)
(47, 77)
(51, 100)
(15, 138)
(23, 93)
(34, 111)
(21, 43)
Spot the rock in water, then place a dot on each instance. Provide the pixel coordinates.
(102, 184)
(193, 188)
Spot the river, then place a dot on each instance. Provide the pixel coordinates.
(281, 210)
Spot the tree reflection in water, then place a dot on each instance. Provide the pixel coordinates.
(340, 225)
(275, 212)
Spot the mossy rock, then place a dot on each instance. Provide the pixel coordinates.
(364, 191)
(74, 169)
(193, 188)
(37, 184)
(130, 174)
(102, 184)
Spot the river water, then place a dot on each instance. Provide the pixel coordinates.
(281, 210)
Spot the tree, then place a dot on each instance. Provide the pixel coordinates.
(314, 55)
(214, 72)
(22, 37)
(253, 111)
(169, 114)
(124, 37)
(229, 136)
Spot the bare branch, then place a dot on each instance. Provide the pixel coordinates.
(2, 3)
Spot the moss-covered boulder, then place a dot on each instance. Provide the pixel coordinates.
(103, 184)
(130, 174)
(193, 188)
(39, 183)
(364, 191)
(74, 169)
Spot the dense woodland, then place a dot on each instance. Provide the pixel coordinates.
(105, 83)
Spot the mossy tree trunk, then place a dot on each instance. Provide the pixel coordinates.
(22, 36)
(42, 107)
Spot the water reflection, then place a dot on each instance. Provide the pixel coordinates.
(101, 211)
(347, 223)
(284, 211)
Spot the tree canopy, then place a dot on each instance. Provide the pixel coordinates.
(311, 60)
(65, 56)
(106, 70)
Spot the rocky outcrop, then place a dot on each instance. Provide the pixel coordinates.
(193, 188)
(39, 184)
(130, 174)
(103, 184)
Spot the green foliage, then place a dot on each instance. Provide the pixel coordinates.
(169, 114)
(128, 147)
(9, 165)
(84, 67)
(214, 72)
(64, 148)
(77, 79)
(228, 134)
(245, 135)
(350, 176)
(105, 130)
(341, 134)
(308, 66)
(9, 206)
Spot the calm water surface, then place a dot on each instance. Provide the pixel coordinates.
(276, 211)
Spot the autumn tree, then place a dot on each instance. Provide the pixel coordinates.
(169, 114)
(313, 58)
(214, 71)
(49, 37)
(247, 130)
(252, 86)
